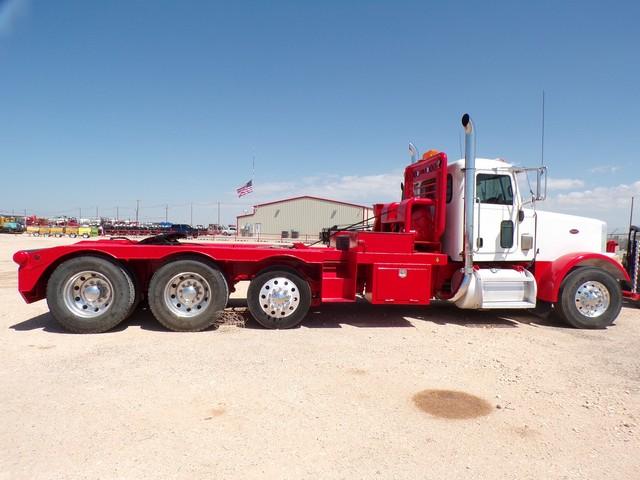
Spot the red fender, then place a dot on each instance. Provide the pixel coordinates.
(550, 274)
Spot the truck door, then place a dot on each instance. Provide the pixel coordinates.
(496, 217)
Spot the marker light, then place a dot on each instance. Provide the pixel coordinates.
(21, 257)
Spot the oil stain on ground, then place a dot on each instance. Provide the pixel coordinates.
(216, 412)
(451, 404)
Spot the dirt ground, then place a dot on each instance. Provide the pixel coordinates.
(357, 392)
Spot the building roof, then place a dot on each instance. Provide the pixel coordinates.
(299, 198)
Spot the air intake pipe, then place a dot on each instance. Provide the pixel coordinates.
(469, 191)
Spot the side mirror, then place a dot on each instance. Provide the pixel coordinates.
(537, 192)
(541, 183)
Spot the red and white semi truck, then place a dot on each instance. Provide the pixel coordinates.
(462, 232)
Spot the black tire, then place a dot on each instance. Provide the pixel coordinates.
(122, 296)
(567, 306)
(210, 306)
(270, 319)
(136, 288)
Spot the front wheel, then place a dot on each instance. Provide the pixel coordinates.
(278, 299)
(589, 298)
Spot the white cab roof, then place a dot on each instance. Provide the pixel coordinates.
(483, 163)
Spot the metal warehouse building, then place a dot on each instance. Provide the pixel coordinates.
(300, 217)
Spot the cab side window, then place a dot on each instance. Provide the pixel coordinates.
(494, 189)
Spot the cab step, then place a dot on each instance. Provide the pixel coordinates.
(509, 305)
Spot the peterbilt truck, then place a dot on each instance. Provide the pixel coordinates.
(463, 233)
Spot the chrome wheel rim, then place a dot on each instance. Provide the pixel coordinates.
(88, 294)
(187, 294)
(279, 297)
(592, 299)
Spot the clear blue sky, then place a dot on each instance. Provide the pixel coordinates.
(103, 103)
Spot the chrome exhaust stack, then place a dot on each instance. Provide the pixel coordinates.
(469, 204)
(469, 191)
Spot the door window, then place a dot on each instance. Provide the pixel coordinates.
(494, 189)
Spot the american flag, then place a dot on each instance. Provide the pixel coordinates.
(245, 189)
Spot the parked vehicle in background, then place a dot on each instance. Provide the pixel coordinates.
(56, 231)
(126, 230)
(229, 230)
(183, 228)
(10, 225)
(214, 229)
(462, 232)
(86, 231)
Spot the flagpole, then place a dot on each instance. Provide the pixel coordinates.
(253, 168)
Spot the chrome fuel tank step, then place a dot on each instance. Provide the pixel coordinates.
(492, 288)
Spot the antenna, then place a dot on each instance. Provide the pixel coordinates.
(542, 145)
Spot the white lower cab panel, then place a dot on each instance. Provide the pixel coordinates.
(500, 288)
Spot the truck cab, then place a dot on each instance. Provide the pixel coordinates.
(502, 251)
(509, 226)
(505, 229)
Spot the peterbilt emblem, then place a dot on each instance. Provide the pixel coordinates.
(573, 231)
(402, 273)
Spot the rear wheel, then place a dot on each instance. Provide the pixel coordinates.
(187, 295)
(90, 295)
(278, 299)
(589, 298)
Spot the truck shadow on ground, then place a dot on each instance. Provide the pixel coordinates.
(45, 321)
(360, 314)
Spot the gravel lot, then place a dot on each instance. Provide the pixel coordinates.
(510, 395)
